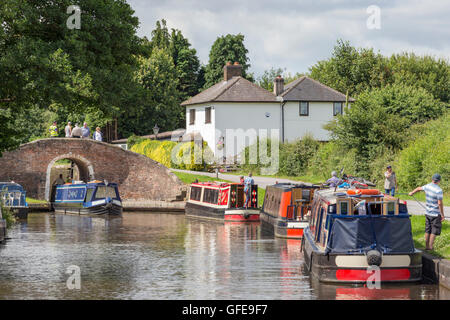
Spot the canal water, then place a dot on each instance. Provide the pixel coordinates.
(165, 256)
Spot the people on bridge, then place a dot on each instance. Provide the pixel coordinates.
(68, 130)
(248, 182)
(76, 132)
(434, 214)
(86, 132)
(53, 130)
(334, 180)
(98, 135)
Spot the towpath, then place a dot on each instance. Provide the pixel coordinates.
(413, 206)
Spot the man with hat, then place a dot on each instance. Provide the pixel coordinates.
(434, 214)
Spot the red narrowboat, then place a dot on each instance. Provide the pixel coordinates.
(357, 235)
(286, 207)
(222, 201)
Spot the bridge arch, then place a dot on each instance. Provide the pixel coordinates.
(138, 177)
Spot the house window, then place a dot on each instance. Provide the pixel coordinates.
(338, 108)
(208, 115)
(304, 108)
(191, 116)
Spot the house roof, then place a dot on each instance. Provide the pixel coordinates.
(237, 89)
(307, 89)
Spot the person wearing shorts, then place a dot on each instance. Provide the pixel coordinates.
(434, 214)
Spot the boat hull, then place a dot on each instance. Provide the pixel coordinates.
(283, 228)
(222, 214)
(353, 268)
(104, 209)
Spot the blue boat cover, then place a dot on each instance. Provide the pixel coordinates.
(388, 234)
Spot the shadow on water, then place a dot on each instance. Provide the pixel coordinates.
(164, 256)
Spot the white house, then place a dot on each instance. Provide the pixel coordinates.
(236, 109)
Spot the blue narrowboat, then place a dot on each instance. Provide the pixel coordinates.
(353, 233)
(13, 197)
(92, 198)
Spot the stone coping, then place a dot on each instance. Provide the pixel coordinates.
(436, 270)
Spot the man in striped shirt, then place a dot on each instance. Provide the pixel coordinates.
(434, 214)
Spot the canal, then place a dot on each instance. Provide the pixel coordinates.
(165, 256)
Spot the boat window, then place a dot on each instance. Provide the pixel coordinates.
(105, 192)
(390, 207)
(343, 205)
(211, 195)
(306, 194)
(375, 208)
(89, 195)
(196, 193)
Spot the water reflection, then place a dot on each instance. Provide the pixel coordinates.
(165, 256)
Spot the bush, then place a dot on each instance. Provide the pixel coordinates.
(427, 153)
(8, 215)
(295, 156)
(163, 151)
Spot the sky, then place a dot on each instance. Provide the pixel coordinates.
(296, 34)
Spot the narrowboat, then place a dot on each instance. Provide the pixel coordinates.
(286, 207)
(92, 198)
(222, 201)
(13, 197)
(356, 235)
(2, 227)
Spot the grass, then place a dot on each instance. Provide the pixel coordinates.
(188, 178)
(420, 196)
(31, 200)
(306, 178)
(441, 243)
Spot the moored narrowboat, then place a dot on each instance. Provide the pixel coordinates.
(92, 198)
(222, 201)
(13, 197)
(356, 235)
(286, 207)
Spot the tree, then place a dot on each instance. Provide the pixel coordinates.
(229, 48)
(43, 63)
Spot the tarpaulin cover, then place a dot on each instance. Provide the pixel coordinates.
(360, 234)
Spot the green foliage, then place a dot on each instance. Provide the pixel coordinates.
(295, 156)
(427, 153)
(441, 245)
(175, 155)
(229, 48)
(134, 139)
(8, 215)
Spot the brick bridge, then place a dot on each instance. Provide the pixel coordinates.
(138, 177)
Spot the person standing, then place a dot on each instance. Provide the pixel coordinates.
(76, 132)
(334, 181)
(434, 214)
(86, 132)
(248, 182)
(98, 135)
(390, 181)
(53, 130)
(60, 180)
(68, 129)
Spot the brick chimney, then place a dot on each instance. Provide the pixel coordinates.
(278, 85)
(232, 70)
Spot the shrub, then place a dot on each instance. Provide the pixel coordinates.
(426, 154)
(295, 156)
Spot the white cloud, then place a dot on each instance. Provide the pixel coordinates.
(296, 34)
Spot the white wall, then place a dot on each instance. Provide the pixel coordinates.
(207, 130)
(296, 126)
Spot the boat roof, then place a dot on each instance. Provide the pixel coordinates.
(330, 195)
(10, 184)
(216, 184)
(89, 184)
(288, 186)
